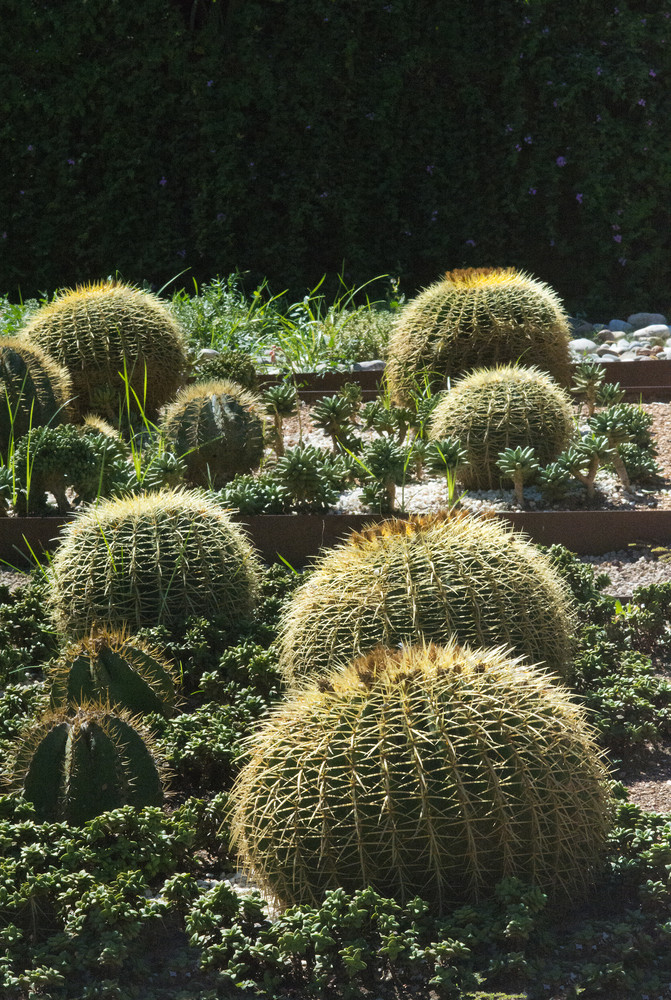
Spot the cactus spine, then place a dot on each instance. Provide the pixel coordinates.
(105, 330)
(430, 771)
(152, 559)
(217, 428)
(428, 579)
(493, 409)
(473, 318)
(74, 767)
(113, 667)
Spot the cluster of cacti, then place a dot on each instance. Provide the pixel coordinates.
(385, 460)
(115, 668)
(216, 427)
(333, 415)
(119, 344)
(152, 559)
(474, 318)
(308, 477)
(430, 771)
(73, 767)
(34, 390)
(54, 460)
(493, 409)
(428, 579)
(253, 495)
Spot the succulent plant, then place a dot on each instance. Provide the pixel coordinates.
(52, 460)
(116, 668)
(588, 379)
(584, 459)
(428, 579)
(34, 390)
(152, 559)
(429, 771)
(73, 767)
(506, 407)
(108, 330)
(553, 481)
(253, 495)
(333, 414)
(612, 425)
(520, 465)
(216, 428)
(445, 454)
(385, 460)
(280, 401)
(609, 394)
(473, 318)
(301, 472)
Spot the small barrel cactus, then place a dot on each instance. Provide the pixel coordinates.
(34, 390)
(493, 409)
(429, 771)
(152, 559)
(473, 318)
(111, 666)
(428, 579)
(73, 767)
(105, 332)
(217, 428)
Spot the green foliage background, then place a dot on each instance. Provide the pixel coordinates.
(291, 138)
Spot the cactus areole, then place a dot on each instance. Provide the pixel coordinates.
(428, 771)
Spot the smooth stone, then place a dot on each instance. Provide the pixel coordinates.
(657, 330)
(619, 334)
(639, 320)
(579, 327)
(605, 337)
(582, 346)
(609, 357)
(628, 356)
(621, 325)
(605, 349)
(368, 366)
(620, 346)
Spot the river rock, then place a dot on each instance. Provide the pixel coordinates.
(639, 320)
(582, 345)
(368, 366)
(621, 325)
(656, 331)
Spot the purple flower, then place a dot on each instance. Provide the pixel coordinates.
(532, 191)
(220, 216)
(552, 243)
(71, 162)
(509, 128)
(324, 194)
(561, 161)
(518, 148)
(528, 140)
(622, 260)
(210, 82)
(434, 215)
(578, 198)
(641, 101)
(554, 104)
(618, 237)
(29, 148)
(163, 182)
(598, 118)
(430, 169)
(470, 243)
(615, 225)
(598, 71)
(652, 72)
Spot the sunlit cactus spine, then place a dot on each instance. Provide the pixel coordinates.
(119, 344)
(432, 772)
(73, 767)
(34, 390)
(112, 666)
(494, 409)
(152, 559)
(428, 578)
(216, 428)
(473, 318)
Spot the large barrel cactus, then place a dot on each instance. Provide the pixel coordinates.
(152, 559)
(217, 428)
(73, 767)
(428, 579)
(505, 407)
(108, 331)
(476, 318)
(111, 666)
(34, 390)
(428, 771)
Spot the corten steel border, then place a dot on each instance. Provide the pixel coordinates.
(648, 380)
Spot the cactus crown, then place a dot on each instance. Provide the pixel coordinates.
(473, 277)
(428, 578)
(427, 771)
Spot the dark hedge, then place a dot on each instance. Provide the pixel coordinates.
(291, 138)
